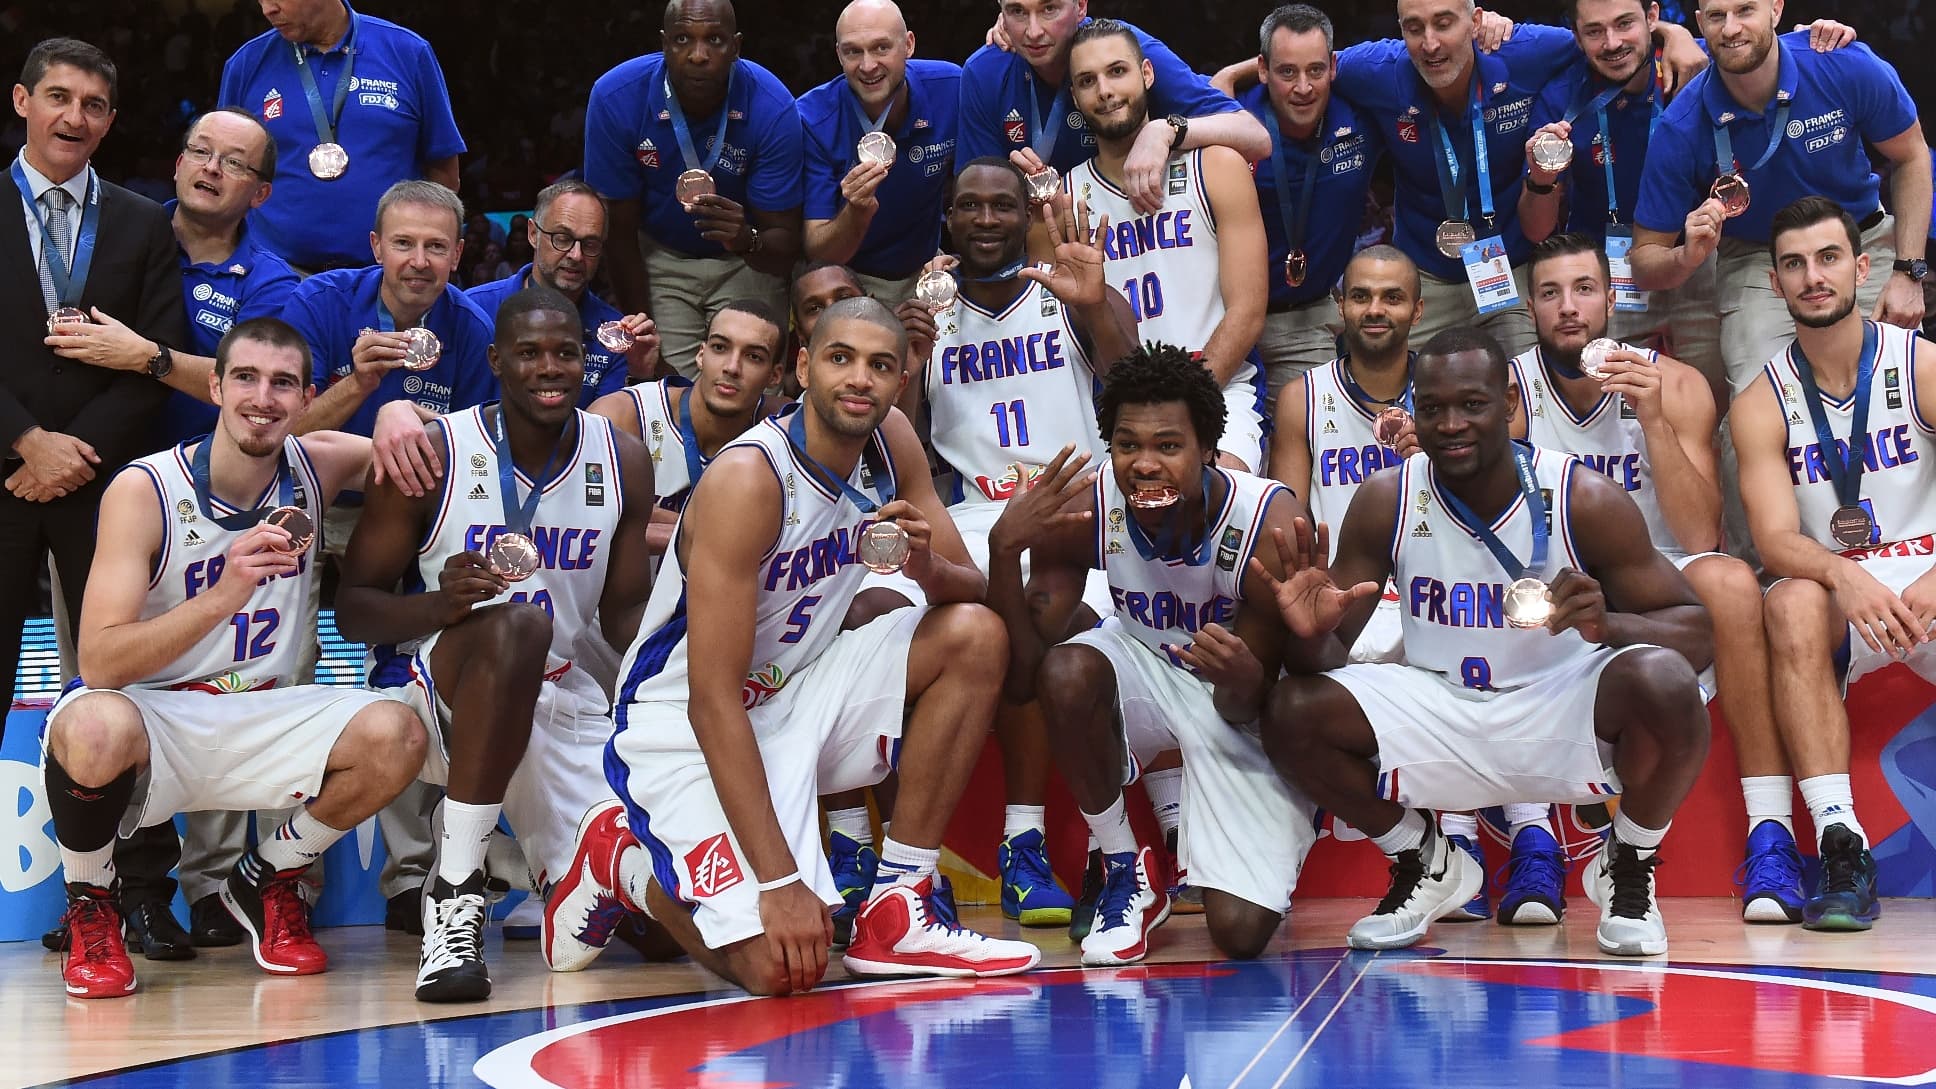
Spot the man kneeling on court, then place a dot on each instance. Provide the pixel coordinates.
(1548, 649)
(197, 611)
(734, 714)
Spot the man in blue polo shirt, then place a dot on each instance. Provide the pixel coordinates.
(699, 152)
(1789, 122)
(881, 218)
(355, 103)
(1016, 96)
(567, 235)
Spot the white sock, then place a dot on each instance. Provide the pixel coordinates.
(1644, 841)
(1111, 829)
(1165, 789)
(1408, 834)
(1460, 824)
(904, 865)
(467, 832)
(95, 868)
(1831, 800)
(1769, 798)
(853, 824)
(1520, 815)
(634, 871)
(301, 840)
(1017, 819)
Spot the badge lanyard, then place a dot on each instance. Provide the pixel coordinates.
(1352, 387)
(684, 134)
(285, 485)
(1294, 224)
(1724, 143)
(326, 122)
(518, 516)
(1599, 108)
(1529, 488)
(883, 479)
(1844, 472)
(1164, 548)
(70, 278)
(1042, 136)
(1451, 185)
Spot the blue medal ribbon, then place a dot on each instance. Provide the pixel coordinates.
(1359, 392)
(689, 438)
(284, 485)
(70, 278)
(1844, 469)
(326, 122)
(1450, 181)
(883, 478)
(684, 134)
(1167, 547)
(518, 515)
(1535, 507)
(1296, 222)
(1724, 159)
(1042, 136)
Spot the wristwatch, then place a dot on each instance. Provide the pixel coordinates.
(1181, 125)
(1916, 269)
(161, 363)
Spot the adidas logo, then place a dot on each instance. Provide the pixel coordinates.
(1423, 530)
(1330, 427)
(478, 492)
(192, 539)
(1013, 115)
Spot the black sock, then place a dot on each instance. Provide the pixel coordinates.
(86, 818)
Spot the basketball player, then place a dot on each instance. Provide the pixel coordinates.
(1567, 702)
(1649, 426)
(490, 666)
(193, 624)
(1849, 536)
(1183, 661)
(1193, 270)
(732, 716)
(819, 285)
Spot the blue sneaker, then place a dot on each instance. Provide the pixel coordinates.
(1030, 893)
(854, 865)
(1535, 880)
(1478, 907)
(1846, 898)
(1771, 876)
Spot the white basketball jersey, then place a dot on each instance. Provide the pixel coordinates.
(262, 645)
(1452, 590)
(1008, 387)
(573, 527)
(1344, 452)
(1164, 263)
(659, 430)
(1607, 439)
(1167, 601)
(806, 579)
(1898, 475)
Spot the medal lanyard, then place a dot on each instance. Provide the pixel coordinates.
(1845, 469)
(1451, 184)
(1535, 507)
(1606, 135)
(326, 122)
(689, 438)
(1042, 135)
(285, 485)
(684, 134)
(883, 480)
(1294, 224)
(518, 515)
(1724, 143)
(860, 114)
(1352, 387)
(1164, 549)
(70, 278)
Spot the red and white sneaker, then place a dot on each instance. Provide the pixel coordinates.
(1130, 907)
(587, 905)
(96, 963)
(897, 934)
(277, 920)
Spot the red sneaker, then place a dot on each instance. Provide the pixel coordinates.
(96, 963)
(897, 934)
(277, 920)
(587, 904)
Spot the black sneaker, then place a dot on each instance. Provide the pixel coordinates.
(404, 912)
(153, 931)
(210, 926)
(1621, 881)
(452, 967)
(1084, 915)
(1846, 898)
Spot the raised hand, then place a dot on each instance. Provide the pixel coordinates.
(1076, 276)
(1307, 598)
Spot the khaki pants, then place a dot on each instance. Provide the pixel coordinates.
(1295, 341)
(1449, 303)
(684, 293)
(1755, 323)
(1683, 324)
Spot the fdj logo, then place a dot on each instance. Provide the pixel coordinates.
(713, 867)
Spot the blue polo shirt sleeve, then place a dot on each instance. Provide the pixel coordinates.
(1178, 88)
(315, 312)
(1680, 164)
(775, 182)
(269, 290)
(1366, 71)
(823, 163)
(612, 131)
(1878, 103)
(472, 382)
(1538, 54)
(437, 135)
(981, 112)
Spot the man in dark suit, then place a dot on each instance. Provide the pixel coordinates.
(72, 242)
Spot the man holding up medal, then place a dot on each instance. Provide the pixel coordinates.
(1548, 650)
(1837, 474)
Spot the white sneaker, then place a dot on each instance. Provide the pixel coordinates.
(1622, 883)
(1427, 884)
(451, 967)
(1130, 907)
(585, 905)
(896, 934)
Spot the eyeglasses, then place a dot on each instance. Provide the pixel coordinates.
(563, 241)
(231, 165)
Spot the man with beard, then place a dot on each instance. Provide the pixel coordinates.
(1837, 473)
(1548, 650)
(876, 205)
(1771, 121)
(1647, 422)
(1193, 271)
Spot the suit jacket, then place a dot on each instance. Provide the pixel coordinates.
(136, 277)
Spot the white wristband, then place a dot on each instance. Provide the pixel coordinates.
(778, 882)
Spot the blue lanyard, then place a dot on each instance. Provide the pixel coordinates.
(1357, 391)
(689, 438)
(1724, 144)
(1535, 508)
(1294, 225)
(861, 115)
(1165, 549)
(518, 515)
(1448, 163)
(326, 122)
(70, 279)
(1844, 470)
(1002, 275)
(883, 479)
(684, 134)
(285, 485)
(1042, 135)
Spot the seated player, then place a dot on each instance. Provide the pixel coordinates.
(1183, 662)
(819, 285)
(1850, 537)
(1548, 650)
(733, 716)
(196, 614)
(477, 599)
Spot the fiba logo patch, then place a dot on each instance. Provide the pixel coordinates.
(1795, 130)
(203, 291)
(713, 867)
(413, 385)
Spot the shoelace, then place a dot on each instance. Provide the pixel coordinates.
(91, 926)
(1785, 862)
(457, 925)
(1633, 882)
(601, 920)
(1032, 865)
(1839, 871)
(941, 905)
(285, 911)
(1119, 887)
(1531, 868)
(1407, 870)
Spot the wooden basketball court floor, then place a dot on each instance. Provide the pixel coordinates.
(1477, 1005)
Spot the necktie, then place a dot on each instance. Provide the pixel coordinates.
(56, 200)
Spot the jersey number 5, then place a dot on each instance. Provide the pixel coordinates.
(799, 620)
